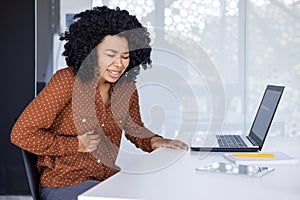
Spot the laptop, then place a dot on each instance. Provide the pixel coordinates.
(255, 139)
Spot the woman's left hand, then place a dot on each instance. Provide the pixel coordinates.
(157, 142)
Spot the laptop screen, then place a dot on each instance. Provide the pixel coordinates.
(265, 114)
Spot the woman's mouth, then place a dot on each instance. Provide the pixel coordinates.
(114, 74)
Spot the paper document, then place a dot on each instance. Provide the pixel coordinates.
(261, 158)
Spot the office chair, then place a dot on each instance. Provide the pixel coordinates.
(33, 176)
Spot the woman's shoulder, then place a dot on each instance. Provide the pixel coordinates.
(67, 72)
(66, 75)
(125, 83)
(125, 87)
(125, 91)
(62, 79)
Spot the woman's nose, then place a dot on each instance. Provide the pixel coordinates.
(118, 62)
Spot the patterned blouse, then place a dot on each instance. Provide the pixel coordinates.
(67, 107)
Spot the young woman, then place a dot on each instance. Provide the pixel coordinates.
(75, 123)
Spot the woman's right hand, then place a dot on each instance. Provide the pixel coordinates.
(88, 141)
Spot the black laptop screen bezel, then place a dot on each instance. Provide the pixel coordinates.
(252, 136)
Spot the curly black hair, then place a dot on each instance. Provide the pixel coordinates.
(89, 29)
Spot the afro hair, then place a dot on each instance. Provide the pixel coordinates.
(89, 29)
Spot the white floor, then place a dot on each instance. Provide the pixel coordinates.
(15, 197)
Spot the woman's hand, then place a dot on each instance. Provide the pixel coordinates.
(157, 142)
(88, 141)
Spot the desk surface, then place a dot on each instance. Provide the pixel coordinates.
(170, 174)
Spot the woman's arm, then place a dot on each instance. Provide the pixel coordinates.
(32, 129)
(134, 128)
(142, 137)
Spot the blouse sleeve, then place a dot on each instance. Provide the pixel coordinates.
(32, 129)
(134, 128)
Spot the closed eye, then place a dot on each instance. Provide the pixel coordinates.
(113, 53)
(125, 57)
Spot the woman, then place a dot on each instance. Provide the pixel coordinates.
(75, 123)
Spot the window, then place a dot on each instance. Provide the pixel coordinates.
(250, 43)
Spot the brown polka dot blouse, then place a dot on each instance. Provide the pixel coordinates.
(67, 107)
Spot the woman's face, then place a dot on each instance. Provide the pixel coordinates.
(113, 58)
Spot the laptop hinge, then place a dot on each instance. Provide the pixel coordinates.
(252, 141)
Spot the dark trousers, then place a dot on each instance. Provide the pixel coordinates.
(67, 192)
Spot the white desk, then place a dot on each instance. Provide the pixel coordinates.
(178, 180)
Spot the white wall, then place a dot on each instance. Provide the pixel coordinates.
(67, 7)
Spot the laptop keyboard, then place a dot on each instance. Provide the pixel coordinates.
(230, 141)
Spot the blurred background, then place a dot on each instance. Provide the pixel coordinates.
(250, 43)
